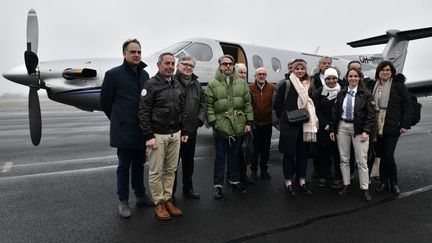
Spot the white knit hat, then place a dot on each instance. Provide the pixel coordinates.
(330, 72)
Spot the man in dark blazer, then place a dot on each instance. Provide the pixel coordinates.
(120, 94)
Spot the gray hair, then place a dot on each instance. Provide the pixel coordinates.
(187, 58)
(225, 56)
(239, 66)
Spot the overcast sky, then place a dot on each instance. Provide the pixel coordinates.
(83, 28)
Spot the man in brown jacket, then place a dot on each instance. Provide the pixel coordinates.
(262, 93)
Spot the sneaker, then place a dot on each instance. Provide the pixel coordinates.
(172, 209)
(305, 190)
(144, 201)
(322, 183)
(124, 210)
(265, 175)
(161, 212)
(218, 193)
(337, 184)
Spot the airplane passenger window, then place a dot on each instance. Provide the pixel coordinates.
(200, 51)
(257, 61)
(276, 64)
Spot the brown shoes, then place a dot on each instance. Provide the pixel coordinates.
(161, 212)
(172, 209)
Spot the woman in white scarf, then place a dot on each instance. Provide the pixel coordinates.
(295, 138)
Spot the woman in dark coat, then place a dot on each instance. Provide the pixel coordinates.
(393, 104)
(295, 137)
(327, 151)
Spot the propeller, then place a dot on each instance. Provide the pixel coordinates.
(31, 62)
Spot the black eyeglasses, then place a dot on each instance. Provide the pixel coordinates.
(263, 74)
(227, 64)
(187, 65)
(331, 78)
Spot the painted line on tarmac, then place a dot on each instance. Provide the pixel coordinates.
(6, 167)
(94, 159)
(312, 220)
(416, 191)
(66, 172)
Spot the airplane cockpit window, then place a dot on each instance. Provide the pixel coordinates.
(200, 51)
(276, 64)
(175, 48)
(257, 61)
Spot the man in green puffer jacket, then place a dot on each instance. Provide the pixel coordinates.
(229, 113)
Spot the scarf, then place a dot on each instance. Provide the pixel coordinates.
(310, 128)
(381, 98)
(330, 93)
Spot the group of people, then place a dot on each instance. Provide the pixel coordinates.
(159, 116)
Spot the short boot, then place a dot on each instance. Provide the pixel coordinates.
(124, 210)
(344, 191)
(172, 209)
(366, 195)
(161, 212)
(395, 189)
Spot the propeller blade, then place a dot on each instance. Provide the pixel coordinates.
(31, 61)
(35, 120)
(32, 31)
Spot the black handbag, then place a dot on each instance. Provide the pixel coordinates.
(298, 116)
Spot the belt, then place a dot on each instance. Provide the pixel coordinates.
(348, 121)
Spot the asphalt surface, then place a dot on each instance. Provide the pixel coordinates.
(64, 191)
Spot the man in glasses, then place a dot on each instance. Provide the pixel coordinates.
(162, 116)
(229, 113)
(195, 111)
(262, 93)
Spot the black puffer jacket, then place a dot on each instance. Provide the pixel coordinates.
(162, 107)
(364, 112)
(195, 102)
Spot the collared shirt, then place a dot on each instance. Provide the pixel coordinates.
(344, 115)
(322, 78)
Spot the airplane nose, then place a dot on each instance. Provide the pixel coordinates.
(19, 75)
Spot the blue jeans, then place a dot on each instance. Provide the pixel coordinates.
(301, 156)
(133, 160)
(230, 148)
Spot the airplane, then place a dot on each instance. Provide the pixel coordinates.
(77, 82)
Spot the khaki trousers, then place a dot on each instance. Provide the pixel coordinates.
(163, 163)
(345, 136)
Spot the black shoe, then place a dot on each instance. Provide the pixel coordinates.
(191, 194)
(239, 187)
(304, 189)
(247, 180)
(366, 195)
(254, 176)
(144, 201)
(344, 191)
(289, 190)
(218, 193)
(265, 175)
(395, 189)
(382, 187)
(322, 183)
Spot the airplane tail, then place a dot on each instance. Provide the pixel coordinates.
(397, 44)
